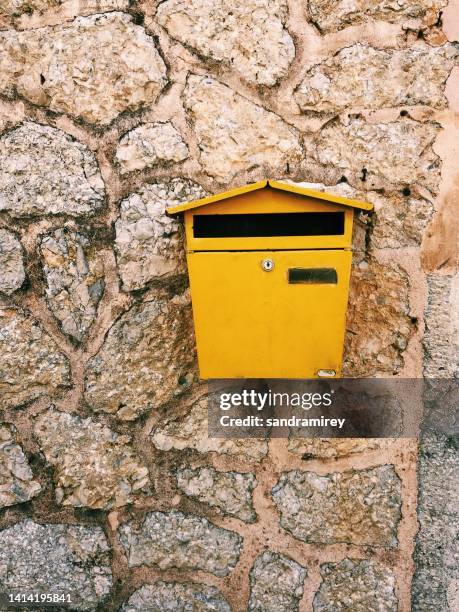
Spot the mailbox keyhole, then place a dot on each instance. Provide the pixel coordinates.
(267, 265)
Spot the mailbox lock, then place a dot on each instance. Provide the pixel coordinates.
(267, 265)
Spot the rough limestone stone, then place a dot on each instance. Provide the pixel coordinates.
(145, 360)
(378, 320)
(12, 273)
(330, 15)
(117, 69)
(94, 466)
(377, 156)
(441, 339)
(230, 492)
(323, 448)
(65, 559)
(150, 144)
(16, 8)
(45, 171)
(176, 596)
(399, 220)
(360, 586)
(356, 507)
(236, 135)
(364, 77)
(183, 541)
(30, 362)
(249, 37)
(437, 545)
(191, 432)
(148, 243)
(276, 583)
(74, 274)
(17, 483)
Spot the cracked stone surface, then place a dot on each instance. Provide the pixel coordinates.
(399, 220)
(12, 273)
(16, 8)
(276, 583)
(184, 541)
(437, 548)
(251, 37)
(17, 483)
(31, 364)
(376, 155)
(230, 492)
(176, 596)
(236, 135)
(379, 325)
(190, 432)
(117, 69)
(148, 243)
(149, 144)
(441, 340)
(357, 585)
(330, 15)
(361, 507)
(94, 466)
(74, 274)
(322, 448)
(393, 77)
(43, 170)
(56, 558)
(146, 358)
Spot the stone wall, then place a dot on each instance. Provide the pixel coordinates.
(111, 110)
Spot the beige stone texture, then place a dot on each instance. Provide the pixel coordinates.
(230, 492)
(379, 325)
(188, 541)
(145, 360)
(190, 432)
(276, 583)
(360, 585)
(12, 273)
(74, 273)
(176, 596)
(94, 466)
(330, 15)
(110, 111)
(31, 364)
(45, 171)
(17, 8)
(322, 448)
(234, 134)
(378, 155)
(150, 144)
(117, 69)
(149, 243)
(317, 508)
(74, 558)
(249, 37)
(17, 482)
(361, 76)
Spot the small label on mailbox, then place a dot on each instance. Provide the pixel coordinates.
(307, 276)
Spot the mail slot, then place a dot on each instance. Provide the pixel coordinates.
(269, 267)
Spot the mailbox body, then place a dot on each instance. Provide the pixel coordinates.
(283, 319)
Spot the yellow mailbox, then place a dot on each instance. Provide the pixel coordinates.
(269, 267)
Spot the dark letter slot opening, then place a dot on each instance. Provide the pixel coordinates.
(263, 225)
(308, 276)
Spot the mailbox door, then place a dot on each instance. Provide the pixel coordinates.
(283, 322)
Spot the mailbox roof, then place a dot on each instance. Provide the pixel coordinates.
(312, 193)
